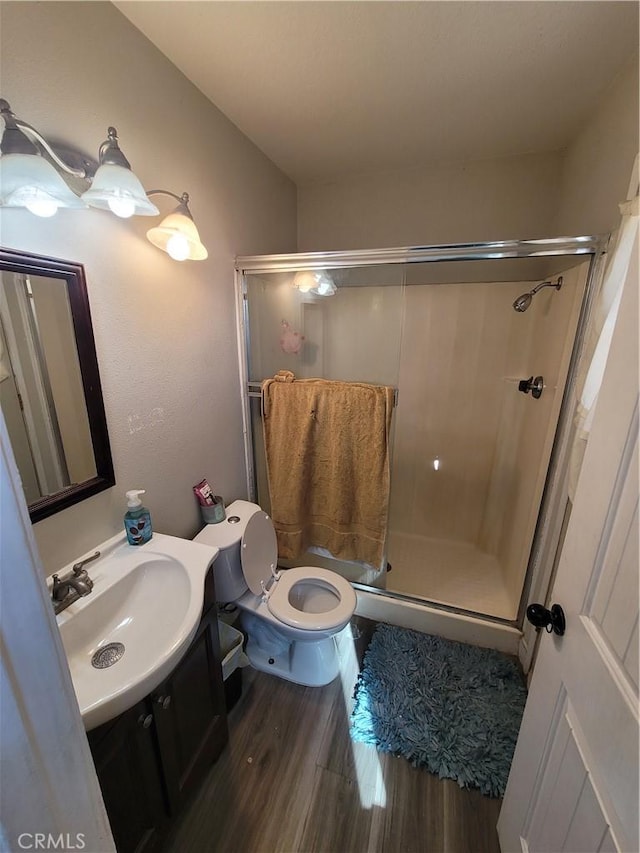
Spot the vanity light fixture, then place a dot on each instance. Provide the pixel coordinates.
(31, 177)
(114, 186)
(318, 282)
(304, 280)
(28, 179)
(177, 233)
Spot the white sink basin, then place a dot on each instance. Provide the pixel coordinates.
(148, 598)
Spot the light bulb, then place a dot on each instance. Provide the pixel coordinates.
(304, 281)
(42, 206)
(36, 200)
(178, 247)
(122, 207)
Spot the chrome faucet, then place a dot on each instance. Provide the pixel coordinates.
(73, 586)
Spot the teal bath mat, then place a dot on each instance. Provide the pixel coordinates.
(449, 707)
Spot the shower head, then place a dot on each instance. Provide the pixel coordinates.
(522, 302)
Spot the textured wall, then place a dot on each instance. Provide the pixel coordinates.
(573, 192)
(512, 197)
(165, 332)
(597, 165)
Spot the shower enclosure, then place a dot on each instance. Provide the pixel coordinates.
(481, 343)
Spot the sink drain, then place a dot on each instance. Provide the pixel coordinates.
(107, 655)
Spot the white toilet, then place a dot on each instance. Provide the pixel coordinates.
(292, 616)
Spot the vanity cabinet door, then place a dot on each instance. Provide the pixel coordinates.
(125, 755)
(189, 710)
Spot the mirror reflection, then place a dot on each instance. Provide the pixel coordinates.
(47, 363)
(41, 386)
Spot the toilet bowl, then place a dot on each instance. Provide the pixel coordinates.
(292, 617)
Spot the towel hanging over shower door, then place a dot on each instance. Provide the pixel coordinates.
(327, 454)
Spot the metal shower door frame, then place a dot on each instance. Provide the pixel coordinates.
(549, 528)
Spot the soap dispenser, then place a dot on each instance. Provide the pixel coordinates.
(137, 519)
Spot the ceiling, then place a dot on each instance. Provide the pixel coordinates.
(328, 89)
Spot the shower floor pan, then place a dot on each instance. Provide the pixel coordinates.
(455, 574)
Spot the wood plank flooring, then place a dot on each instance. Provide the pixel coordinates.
(291, 781)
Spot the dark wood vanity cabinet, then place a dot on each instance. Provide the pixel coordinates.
(189, 714)
(126, 758)
(149, 759)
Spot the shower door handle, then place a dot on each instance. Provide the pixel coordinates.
(536, 386)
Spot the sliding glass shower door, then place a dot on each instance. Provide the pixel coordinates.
(480, 383)
(471, 447)
(346, 325)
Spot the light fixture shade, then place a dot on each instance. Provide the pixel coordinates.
(28, 180)
(178, 236)
(305, 281)
(117, 189)
(317, 282)
(326, 287)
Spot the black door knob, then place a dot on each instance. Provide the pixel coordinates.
(552, 620)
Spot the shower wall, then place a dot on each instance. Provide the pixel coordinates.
(454, 369)
(550, 342)
(471, 452)
(354, 335)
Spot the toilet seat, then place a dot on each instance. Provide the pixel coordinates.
(279, 601)
(258, 555)
(259, 552)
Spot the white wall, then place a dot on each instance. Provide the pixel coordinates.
(597, 165)
(512, 197)
(569, 192)
(165, 332)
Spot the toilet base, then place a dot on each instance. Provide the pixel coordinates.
(312, 664)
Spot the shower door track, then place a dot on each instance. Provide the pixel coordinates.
(548, 534)
(423, 254)
(439, 605)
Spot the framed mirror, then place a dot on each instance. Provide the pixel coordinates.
(50, 390)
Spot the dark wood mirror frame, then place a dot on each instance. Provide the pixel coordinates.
(73, 274)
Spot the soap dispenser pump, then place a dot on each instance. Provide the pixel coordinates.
(137, 519)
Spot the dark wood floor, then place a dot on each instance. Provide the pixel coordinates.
(291, 781)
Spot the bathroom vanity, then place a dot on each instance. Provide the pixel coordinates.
(151, 757)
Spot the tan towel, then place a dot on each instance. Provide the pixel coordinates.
(327, 449)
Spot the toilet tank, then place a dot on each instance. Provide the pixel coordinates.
(226, 536)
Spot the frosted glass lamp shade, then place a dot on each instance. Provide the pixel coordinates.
(178, 236)
(305, 281)
(317, 282)
(117, 189)
(28, 180)
(326, 287)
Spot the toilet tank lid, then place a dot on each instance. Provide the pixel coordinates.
(259, 551)
(227, 533)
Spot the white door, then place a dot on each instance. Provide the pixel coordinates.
(574, 780)
(49, 794)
